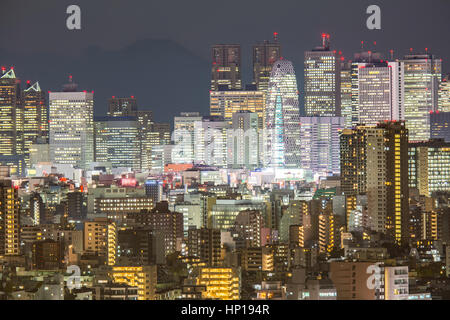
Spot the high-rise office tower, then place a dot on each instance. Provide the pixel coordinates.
(322, 81)
(35, 116)
(226, 66)
(71, 126)
(183, 137)
(374, 161)
(210, 136)
(9, 219)
(244, 141)
(117, 141)
(147, 137)
(377, 89)
(122, 107)
(227, 102)
(11, 121)
(440, 125)
(264, 56)
(161, 132)
(282, 134)
(360, 60)
(422, 76)
(319, 143)
(444, 94)
(380, 88)
(346, 93)
(153, 139)
(429, 166)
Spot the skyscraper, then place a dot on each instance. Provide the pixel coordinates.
(264, 56)
(226, 66)
(346, 93)
(322, 80)
(35, 117)
(380, 92)
(11, 121)
(227, 102)
(183, 137)
(210, 136)
(71, 126)
(422, 76)
(244, 141)
(319, 143)
(117, 141)
(374, 161)
(282, 148)
(122, 107)
(444, 94)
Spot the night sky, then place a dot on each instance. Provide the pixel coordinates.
(159, 51)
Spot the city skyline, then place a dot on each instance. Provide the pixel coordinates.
(296, 166)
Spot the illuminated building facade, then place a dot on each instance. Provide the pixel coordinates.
(440, 125)
(282, 134)
(117, 206)
(264, 56)
(226, 66)
(228, 102)
(210, 136)
(9, 219)
(444, 94)
(100, 237)
(142, 277)
(322, 81)
(319, 143)
(374, 161)
(422, 76)
(221, 283)
(244, 141)
(205, 244)
(429, 166)
(183, 137)
(380, 92)
(35, 116)
(122, 107)
(11, 119)
(346, 93)
(117, 141)
(71, 126)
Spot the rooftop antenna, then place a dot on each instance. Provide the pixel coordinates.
(325, 40)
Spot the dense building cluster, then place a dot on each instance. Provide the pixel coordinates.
(346, 198)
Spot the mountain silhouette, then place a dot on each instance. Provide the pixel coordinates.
(164, 76)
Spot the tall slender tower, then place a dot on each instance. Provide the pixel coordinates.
(282, 146)
(374, 162)
(71, 116)
(226, 66)
(264, 56)
(323, 80)
(11, 121)
(35, 117)
(9, 219)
